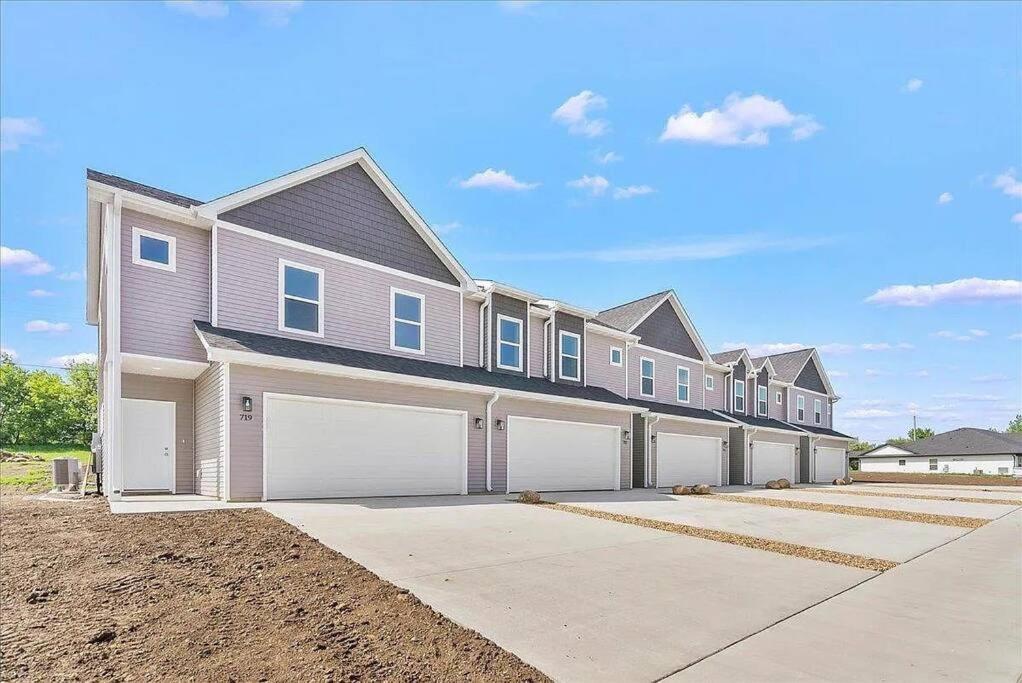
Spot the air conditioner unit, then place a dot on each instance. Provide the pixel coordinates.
(66, 473)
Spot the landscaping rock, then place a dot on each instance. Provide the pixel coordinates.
(784, 483)
(701, 489)
(849, 480)
(772, 484)
(530, 497)
(681, 490)
(839, 482)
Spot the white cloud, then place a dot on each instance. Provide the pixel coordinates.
(979, 333)
(971, 335)
(444, 228)
(607, 158)
(9, 352)
(968, 290)
(837, 374)
(46, 326)
(868, 414)
(921, 373)
(71, 276)
(632, 191)
(757, 350)
(516, 5)
(496, 180)
(204, 9)
(15, 132)
(945, 198)
(273, 12)
(594, 185)
(836, 349)
(64, 361)
(1015, 337)
(40, 293)
(990, 378)
(871, 372)
(739, 121)
(575, 114)
(968, 397)
(840, 349)
(1008, 183)
(23, 261)
(1017, 218)
(913, 85)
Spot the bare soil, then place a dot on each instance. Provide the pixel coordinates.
(950, 479)
(226, 595)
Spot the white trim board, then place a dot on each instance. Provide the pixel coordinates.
(157, 366)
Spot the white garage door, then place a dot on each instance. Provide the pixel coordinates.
(553, 455)
(325, 448)
(687, 460)
(830, 464)
(772, 461)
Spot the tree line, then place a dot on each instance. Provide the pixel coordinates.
(917, 433)
(43, 407)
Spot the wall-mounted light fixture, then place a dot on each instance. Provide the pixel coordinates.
(246, 404)
(652, 438)
(500, 425)
(624, 436)
(479, 423)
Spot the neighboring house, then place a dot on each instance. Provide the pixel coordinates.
(310, 336)
(960, 451)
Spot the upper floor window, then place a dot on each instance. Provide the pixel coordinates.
(300, 304)
(777, 397)
(615, 356)
(646, 369)
(683, 375)
(709, 382)
(800, 408)
(152, 249)
(739, 405)
(761, 400)
(570, 351)
(509, 343)
(407, 319)
(817, 411)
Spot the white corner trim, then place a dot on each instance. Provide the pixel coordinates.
(136, 249)
(214, 279)
(227, 431)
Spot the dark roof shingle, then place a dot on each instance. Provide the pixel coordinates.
(767, 422)
(625, 316)
(139, 188)
(963, 441)
(682, 411)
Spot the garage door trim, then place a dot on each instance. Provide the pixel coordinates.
(720, 455)
(752, 461)
(268, 396)
(523, 418)
(816, 455)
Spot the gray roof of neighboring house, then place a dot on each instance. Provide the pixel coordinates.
(727, 356)
(786, 365)
(823, 431)
(625, 316)
(682, 411)
(765, 422)
(236, 340)
(963, 441)
(139, 188)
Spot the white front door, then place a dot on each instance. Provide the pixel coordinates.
(830, 464)
(688, 460)
(772, 461)
(147, 445)
(557, 455)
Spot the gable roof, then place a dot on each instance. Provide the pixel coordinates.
(731, 356)
(139, 188)
(962, 441)
(629, 316)
(788, 365)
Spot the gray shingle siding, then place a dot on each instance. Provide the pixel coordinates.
(810, 379)
(736, 455)
(638, 451)
(803, 459)
(344, 212)
(663, 330)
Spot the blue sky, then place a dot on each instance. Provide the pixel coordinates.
(780, 166)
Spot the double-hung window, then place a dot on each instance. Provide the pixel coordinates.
(570, 346)
(407, 321)
(739, 404)
(509, 343)
(646, 369)
(683, 375)
(761, 400)
(800, 408)
(615, 356)
(300, 305)
(152, 249)
(933, 464)
(817, 411)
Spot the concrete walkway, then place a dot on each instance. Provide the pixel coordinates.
(953, 614)
(933, 507)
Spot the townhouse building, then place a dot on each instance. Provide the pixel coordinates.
(311, 337)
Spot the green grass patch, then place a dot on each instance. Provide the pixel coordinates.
(35, 476)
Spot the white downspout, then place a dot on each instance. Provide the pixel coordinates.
(811, 459)
(748, 454)
(489, 440)
(553, 345)
(546, 344)
(649, 449)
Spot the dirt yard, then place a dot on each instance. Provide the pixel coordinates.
(950, 479)
(228, 595)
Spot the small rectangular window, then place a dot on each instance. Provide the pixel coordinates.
(901, 463)
(301, 298)
(933, 464)
(709, 382)
(570, 350)
(761, 400)
(615, 356)
(739, 405)
(817, 411)
(777, 397)
(683, 375)
(800, 408)
(1018, 461)
(407, 319)
(154, 250)
(509, 343)
(646, 369)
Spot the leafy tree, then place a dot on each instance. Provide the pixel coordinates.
(13, 394)
(861, 446)
(920, 433)
(82, 401)
(1015, 426)
(45, 411)
(43, 407)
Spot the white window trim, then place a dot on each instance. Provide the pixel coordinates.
(652, 376)
(687, 385)
(777, 398)
(394, 291)
(561, 355)
(519, 344)
(709, 383)
(735, 396)
(800, 408)
(817, 411)
(620, 356)
(136, 249)
(765, 401)
(281, 265)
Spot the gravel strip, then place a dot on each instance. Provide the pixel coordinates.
(921, 517)
(914, 496)
(805, 552)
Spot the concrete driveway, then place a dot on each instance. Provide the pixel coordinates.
(581, 599)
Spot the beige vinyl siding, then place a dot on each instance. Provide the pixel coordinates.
(778, 412)
(158, 307)
(181, 393)
(666, 377)
(715, 398)
(471, 340)
(810, 397)
(536, 346)
(209, 431)
(599, 371)
(668, 426)
(357, 306)
(246, 456)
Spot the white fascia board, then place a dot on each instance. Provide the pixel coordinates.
(138, 202)
(541, 313)
(681, 418)
(670, 354)
(507, 290)
(553, 304)
(611, 332)
(157, 366)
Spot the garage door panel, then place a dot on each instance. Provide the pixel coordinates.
(829, 464)
(553, 455)
(684, 459)
(772, 461)
(326, 449)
